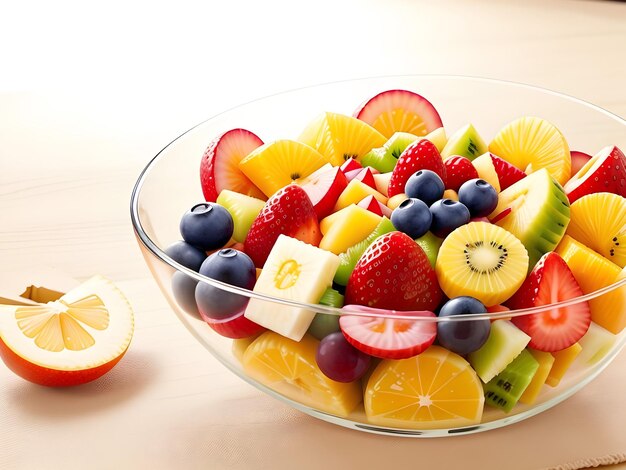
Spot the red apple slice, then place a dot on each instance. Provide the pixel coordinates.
(235, 327)
(605, 172)
(366, 176)
(579, 160)
(350, 165)
(371, 204)
(324, 186)
(219, 167)
(382, 182)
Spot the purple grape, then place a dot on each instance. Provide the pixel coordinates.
(339, 360)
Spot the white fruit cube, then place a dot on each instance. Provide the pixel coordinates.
(294, 270)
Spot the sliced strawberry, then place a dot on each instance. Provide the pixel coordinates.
(324, 186)
(458, 171)
(394, 273)
(219, 167)
(290, 212)
(373, 205)
(507, 173)
(549, 282)
(420, 116)
(579, 160)
(605, 172)
(388, 338)
(350, 165)
(420, 155)
(234, 327)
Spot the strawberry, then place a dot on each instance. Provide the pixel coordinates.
(507, 173)
(549, 282)
(579, 160)
(605, 172)
(458, 171)
(219, 167)
(290, 212)
(420, 155)
(388, 338)
(394, 273)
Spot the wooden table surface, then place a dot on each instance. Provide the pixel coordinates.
(88, 95)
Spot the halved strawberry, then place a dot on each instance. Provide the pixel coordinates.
(421, 155)
(219, 167)
(579, 160)
(507, 173)
(394, 273)
(350, 164)
(399, 111)
(324, 186)
(549, 282)
(373, 205)
(458, 170)
(290, 212)
(605, 172)
(388, 338)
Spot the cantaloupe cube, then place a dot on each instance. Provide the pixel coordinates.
(562, 362)
(592, 272)
(355, 192)
(346, 228)
(546, 361)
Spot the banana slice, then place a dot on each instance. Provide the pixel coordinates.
(294, 270)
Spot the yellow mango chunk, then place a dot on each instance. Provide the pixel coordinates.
(546, 361)
(346, 228)
(562, 362)
(355, 192)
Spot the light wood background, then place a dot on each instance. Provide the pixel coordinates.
(89, 94)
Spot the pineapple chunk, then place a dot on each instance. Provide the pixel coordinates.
(346, 228)
(355, 192)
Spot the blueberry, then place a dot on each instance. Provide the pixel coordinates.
(447, 216)
(229, 266)
(186, 254)
(412, 217)
(207, 226)
(479, 197)
(463, 337)
(184, 286)
(425, 185)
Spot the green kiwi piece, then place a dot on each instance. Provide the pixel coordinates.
(539, 213)
(465, 142)
(506, 388)
(348, 260)
(505, 343)
(324, 324)
(244, 209)
(384, 158)
(430, 244)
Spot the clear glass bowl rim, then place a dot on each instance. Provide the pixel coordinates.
(357, 309)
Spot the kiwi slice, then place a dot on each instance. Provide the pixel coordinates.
(384, 158)
(465, 142)
(324, 324)
(504, 344)
(538, 213)
(506, 388)
(483, 261)
(348, 260)
(430, 244)
(244, 209)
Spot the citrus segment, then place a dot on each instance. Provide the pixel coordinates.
(435, 389)
(290, 369)
(531, 143)
(69, 341)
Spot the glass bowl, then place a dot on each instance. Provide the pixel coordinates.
(169, 185)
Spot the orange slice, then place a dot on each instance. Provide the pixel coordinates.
(69, 341)
(289, 368)
(435, 389)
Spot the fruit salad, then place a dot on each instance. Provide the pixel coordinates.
(417, 247)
